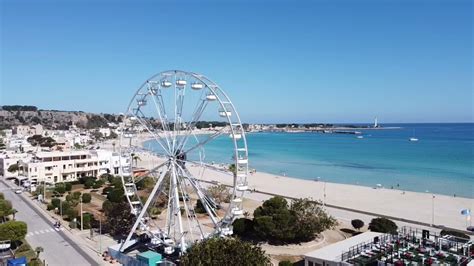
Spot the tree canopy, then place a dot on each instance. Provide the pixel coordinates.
(224, 251)
(276, 221)
(13, 230)
(383, 225)
(119, 218)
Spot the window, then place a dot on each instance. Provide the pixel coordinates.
(116, 170)
(64, 166)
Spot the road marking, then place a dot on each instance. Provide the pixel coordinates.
(41, 232)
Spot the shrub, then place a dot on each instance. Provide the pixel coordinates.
(56, 202)
(68, 186)
(60, 188)
(116, 195)
(383, 225)
(50, 207)
(285, 263)
(76, 195)
(89, 183)
(199, 207)
(106, 190)
(107, 206)
(224, 251)
(357, 224)
(86, 198)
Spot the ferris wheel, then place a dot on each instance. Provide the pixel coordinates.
(170, 108)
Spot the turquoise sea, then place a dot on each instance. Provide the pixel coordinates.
(442, 161)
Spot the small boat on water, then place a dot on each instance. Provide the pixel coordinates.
(360, 137)
(413, 138)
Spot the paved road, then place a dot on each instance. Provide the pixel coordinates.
(58, 248)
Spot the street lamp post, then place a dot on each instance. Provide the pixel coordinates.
(324, 194)
(61, 208)
(82, 217)
(100, 234)
(432, 209)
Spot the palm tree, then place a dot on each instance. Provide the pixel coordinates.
(38, 250)
(135, 158)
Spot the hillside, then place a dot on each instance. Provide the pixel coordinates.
(13, 115)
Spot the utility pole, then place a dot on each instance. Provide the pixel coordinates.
(61, 208)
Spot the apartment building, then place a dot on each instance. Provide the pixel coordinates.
(64, 166)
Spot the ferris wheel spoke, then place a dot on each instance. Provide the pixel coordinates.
(156, 137)
(152, 171)
(207, 140)
(209, 166)
(209, 206)
(145, 208)
(195, 118)
(156, 92)
(189, 210)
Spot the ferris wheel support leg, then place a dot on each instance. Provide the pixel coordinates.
(177, 206)
(143, 211)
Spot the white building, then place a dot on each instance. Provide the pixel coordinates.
(15, 142)
(332, 255)
(62, 166)
(8, 158)
(105, 132)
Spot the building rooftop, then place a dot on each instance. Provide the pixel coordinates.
(333, 252)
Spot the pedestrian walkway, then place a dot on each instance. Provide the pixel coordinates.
(44, 231)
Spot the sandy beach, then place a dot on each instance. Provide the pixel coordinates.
(416, 206)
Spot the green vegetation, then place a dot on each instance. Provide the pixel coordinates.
(199, 208)
(224, 251)
(220, 193)
(285, 263)
(383, 225)
(357, 224)
(13, 168)
(5, 208)
(25, 250)
(96, 121)
(14, 108)
(13, 230)
(207, 124)
(119, 218)
(86, 198)
(38, 140)
(277, 222)
(243, 227)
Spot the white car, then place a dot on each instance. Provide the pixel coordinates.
(18, 191)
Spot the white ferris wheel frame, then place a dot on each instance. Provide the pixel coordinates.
(175, 165)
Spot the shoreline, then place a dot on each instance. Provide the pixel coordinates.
(444, 210)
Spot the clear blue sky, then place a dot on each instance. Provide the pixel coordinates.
(280, 61)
